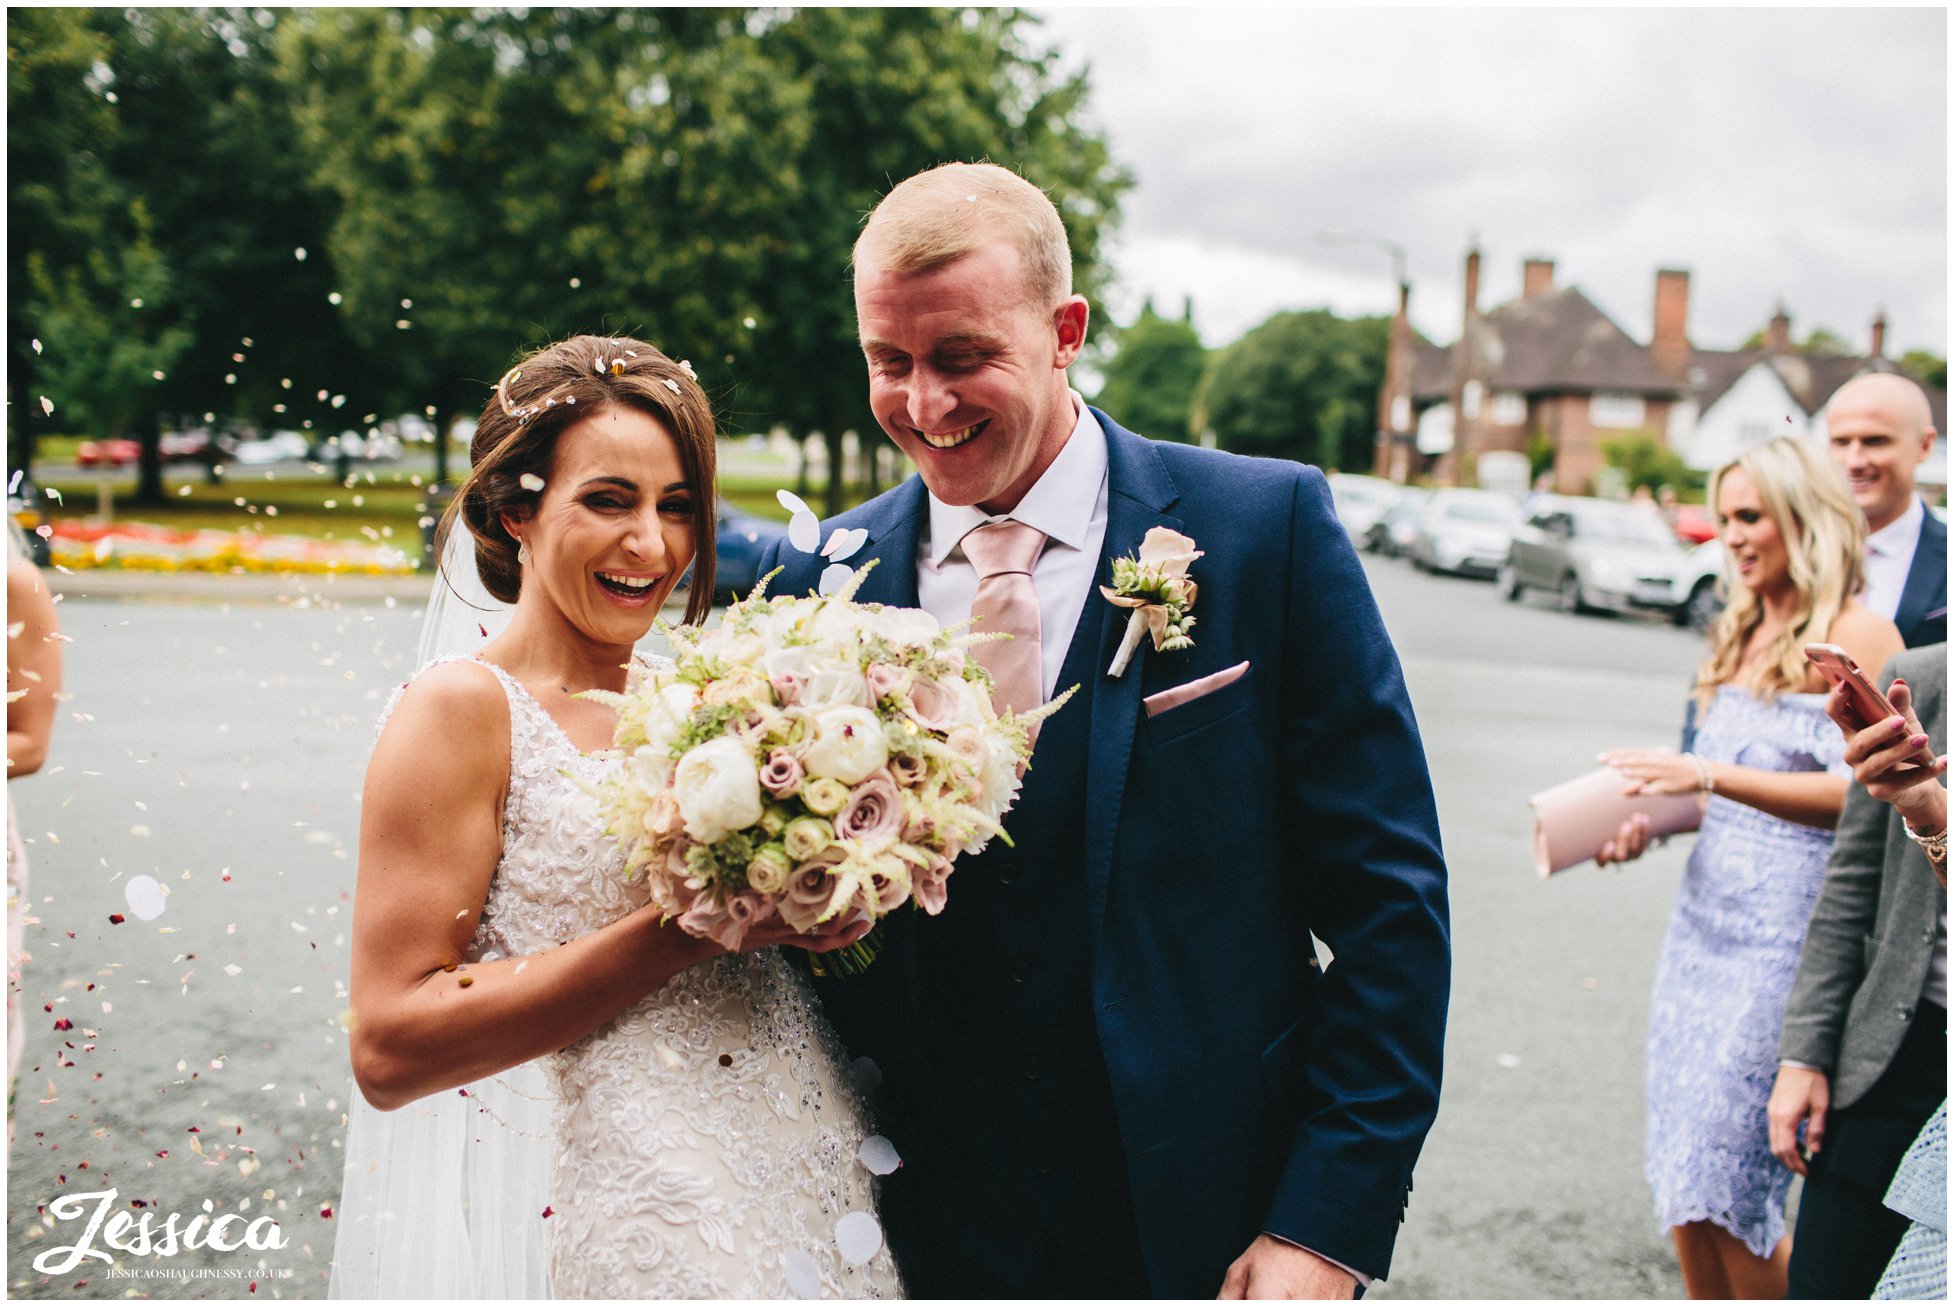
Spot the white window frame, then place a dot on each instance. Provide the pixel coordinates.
(1610, 410)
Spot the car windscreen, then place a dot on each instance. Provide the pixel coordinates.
(1621, 524)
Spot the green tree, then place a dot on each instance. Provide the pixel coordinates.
(1925, 368)
(1645, 460)
(891, 92)
(1302, 385)
(1152, 379)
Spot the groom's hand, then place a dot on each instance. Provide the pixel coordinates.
(1274, 1269)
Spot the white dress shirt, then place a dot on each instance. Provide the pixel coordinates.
(1067, 503)
(1889, 557)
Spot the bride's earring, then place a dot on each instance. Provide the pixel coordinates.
(522, 553)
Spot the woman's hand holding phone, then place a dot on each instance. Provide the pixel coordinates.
(1892, 757)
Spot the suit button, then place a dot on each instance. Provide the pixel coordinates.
(1906, 1014)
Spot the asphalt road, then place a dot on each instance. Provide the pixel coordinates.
(218, 747)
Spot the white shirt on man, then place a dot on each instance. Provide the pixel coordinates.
(1067, 503)
(1889, 557)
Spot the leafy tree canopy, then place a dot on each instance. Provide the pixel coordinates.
(1303, 385)
(1151, 381)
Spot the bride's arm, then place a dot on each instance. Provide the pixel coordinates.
(430, 837)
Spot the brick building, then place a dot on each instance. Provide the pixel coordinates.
(1552, 363)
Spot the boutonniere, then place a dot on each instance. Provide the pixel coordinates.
(1155, 586)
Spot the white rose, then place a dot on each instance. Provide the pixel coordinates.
(791, 660)
(848, 744)
(907, 626)
(834, 685)
(718, 790)
(743, 649)
(668, 713)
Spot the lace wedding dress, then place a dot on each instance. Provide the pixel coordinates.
(705, 1140)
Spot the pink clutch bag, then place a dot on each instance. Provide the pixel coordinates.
(1572, 821)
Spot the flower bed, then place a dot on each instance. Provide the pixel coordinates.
(145, 547)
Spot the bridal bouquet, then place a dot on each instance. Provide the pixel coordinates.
(812, 758)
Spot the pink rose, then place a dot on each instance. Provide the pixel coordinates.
(885, 681)
(930, 885)
(931, 704)
(787, 687)
(882, 894)
(908, 770)
(782, 775)
(873, 811)
(664, 820)
(809, 891)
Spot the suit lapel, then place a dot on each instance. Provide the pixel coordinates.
(1139, 489)
(893, 535)
(1926, 583)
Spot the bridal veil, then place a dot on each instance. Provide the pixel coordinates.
(445, 1197)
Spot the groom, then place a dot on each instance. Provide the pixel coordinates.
(1114, 1066)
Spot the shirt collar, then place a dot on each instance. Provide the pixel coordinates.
(1898, 536)
(1060, 503)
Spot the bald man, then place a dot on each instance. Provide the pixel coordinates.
(1879, 433)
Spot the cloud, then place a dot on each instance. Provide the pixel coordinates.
(1795, 154)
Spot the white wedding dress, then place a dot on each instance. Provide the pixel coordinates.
(704, 1142)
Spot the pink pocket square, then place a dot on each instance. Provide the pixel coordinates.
(1188, 693)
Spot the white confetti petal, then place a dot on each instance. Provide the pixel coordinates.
(868, 1075)
(878, 1155)
(530, 481)
(145, 896)
(673, 385)
(803, 1276)
(836, 577)
(47, 406)
(845, 543)
(792, 502)
(1507, 1060)
(804, 532)
(859, 1237)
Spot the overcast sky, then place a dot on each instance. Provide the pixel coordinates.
(1778, 154)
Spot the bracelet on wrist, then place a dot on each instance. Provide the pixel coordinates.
(1934, 846)
(1706, 781)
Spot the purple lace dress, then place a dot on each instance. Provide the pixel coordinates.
(1726, 969)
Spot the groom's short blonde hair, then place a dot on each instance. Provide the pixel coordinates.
(939, 216)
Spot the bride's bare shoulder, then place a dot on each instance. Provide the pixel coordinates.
(460, 701)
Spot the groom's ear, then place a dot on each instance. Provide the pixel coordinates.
(1069, 323)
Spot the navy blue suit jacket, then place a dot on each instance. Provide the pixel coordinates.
(1922, 614)
(1254, 1090)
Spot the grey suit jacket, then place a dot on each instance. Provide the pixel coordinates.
(1871, 937)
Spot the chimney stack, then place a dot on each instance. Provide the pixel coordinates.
(1879, 335)
(1472, 285)
(1777, 337)
(1539, 278)
(1669, 346)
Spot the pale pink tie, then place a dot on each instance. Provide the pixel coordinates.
(1003, 553)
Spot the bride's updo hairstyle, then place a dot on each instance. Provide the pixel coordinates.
(551, 390)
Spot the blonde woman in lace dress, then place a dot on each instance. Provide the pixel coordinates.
(1771, 771)
(704, 1133)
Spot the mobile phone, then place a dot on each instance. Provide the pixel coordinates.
(1868, 704)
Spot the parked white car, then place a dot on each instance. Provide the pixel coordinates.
(1362, 502)
(1465, 531)
(1596, 554)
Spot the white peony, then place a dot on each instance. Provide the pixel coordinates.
(906, 626)
(718, 790)
(835, 685)
(848, 743)
(793, 660)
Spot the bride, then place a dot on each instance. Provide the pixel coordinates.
(575, 1099)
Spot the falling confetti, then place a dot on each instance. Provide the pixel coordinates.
(845, 543)
(835, 577)
(530, 481)
(298, 254)
(47, 406)
(673, 385)
(859, 1237)
(145, 897)
(878, 1155)
(803, 1276)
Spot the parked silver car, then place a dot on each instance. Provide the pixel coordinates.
(1392, 534)
(1597, 554)
(1361, 503)
(1465, 531)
